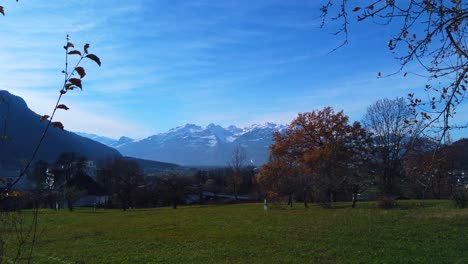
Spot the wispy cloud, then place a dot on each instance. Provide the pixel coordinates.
(165, 63)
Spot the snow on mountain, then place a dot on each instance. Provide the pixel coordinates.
(106, 140)
(122, 141)
(194, 145)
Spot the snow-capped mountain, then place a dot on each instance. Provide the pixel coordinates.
(115, 143)
(204, 146)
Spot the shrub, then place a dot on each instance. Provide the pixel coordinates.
(460, 198)
(385, 202)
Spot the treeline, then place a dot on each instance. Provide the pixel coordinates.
(322, 157)
(121, 183)
(127, 187)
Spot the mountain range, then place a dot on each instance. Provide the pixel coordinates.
(194, 145)
(115, 143)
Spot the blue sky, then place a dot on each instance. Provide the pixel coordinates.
(166, 63)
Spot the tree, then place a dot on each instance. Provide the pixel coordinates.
(175, 187)
(393, 135)
(432, 33)
(282, 177)
(38, 176)
(429, 170)
(236, 166)
(69, 173)
(360, 164)
(318, 152)
(122, 178)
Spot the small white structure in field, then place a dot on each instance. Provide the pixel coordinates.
(265, 204)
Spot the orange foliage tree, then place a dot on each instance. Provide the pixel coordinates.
(319, 155)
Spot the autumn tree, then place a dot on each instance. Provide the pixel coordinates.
(280, 177)
(430, 33)
(360, 163)
(324, 150)
(431, 172)
(393, 136)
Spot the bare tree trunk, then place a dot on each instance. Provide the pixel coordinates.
(290, 200)
(354, 199)
(306, 203)
(1, 250)
(70, 205)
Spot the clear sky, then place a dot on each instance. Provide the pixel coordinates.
(167, 63)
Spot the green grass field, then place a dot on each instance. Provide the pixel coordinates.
(417, 232)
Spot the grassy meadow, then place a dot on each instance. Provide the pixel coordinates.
(416, 232)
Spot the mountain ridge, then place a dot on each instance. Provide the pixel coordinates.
(211, 145)
(22, 130)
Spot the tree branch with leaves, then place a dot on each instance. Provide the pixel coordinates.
(431, 33)
(70, 83)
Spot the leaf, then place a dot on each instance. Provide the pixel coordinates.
(379, 74)
(62, 106)
(44, 118)
(74, 52)
(70, 45)
(69, 86)
(2, 11)
(94, 58)
(404, 75)
(405, 33)
(85, 48)
(81, 71)
(58, 125)
(357, 8)
(371, 7)
(76, 81)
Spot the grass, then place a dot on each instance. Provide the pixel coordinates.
(417, 232)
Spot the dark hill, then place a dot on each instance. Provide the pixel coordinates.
(460, 148)
(20, 130)
(153, 166)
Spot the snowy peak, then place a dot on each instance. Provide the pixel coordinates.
(192, 144)
(122, 141)
(111, 142)
(266, 126)
(221, 133)
(187, 128)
